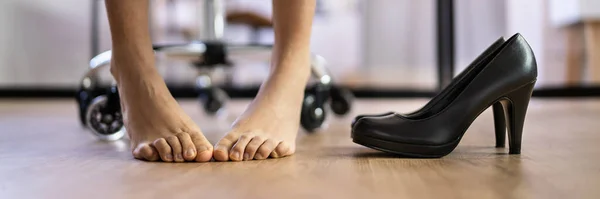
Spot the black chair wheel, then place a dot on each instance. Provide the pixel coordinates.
(313, 115)
(341, 100)
(87, 91)
(213, 100)
(83, 98)
(104, 121)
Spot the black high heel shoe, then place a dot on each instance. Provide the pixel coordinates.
(499, 123)
(506, 76)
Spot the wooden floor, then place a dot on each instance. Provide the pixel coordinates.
(45, 153)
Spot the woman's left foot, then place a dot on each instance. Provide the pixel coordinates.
(269, 126)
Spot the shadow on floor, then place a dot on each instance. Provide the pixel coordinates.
(461, 152)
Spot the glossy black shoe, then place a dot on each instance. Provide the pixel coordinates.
(358, 117)
(500, 127)
(506, 76)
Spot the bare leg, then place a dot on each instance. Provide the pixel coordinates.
(156, 124)
(269, 126)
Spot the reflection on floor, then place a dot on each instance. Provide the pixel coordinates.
(45, 153)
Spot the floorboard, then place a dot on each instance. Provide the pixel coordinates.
(46, 153)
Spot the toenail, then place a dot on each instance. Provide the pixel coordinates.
(236, 155)
(178, 156)
(275, 154)
(203, 148)
(169, 157)
(190, 153)
(202, 152)
(257, 156)
(246, 156)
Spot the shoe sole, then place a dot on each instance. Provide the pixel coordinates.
(404, 149)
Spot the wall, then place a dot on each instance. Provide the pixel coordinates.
(46, 43)
(41, 40)
(400, 37)
(568, 12)
(545, 31)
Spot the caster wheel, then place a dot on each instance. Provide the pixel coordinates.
(88, 90)
(107, 125)
(313, 115)
(84, 98)
(341, 100)
(213, 100)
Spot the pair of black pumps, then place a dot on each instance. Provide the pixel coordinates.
(502, 77)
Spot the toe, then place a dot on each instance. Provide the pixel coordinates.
(188, 147)
(204, 150)
(221, 152)
(283, 149)
(253, 147)
(238, 149)
(176, 147)
(265, 149)
(164, 150)
(145, 152)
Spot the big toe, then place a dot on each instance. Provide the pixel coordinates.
(220, 154)
(145, 152)
(205, 153)
(221, 150)
(204, 150)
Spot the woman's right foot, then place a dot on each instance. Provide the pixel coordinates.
(157, 126)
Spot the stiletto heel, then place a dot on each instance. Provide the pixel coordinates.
(515, 106)
(499, 125)
(503, 79)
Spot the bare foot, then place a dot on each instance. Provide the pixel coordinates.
(269, 126)
(156, 124)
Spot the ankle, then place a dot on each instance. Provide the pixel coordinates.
(132, 68)
(291, 62)
(298, 68)
(290, 74)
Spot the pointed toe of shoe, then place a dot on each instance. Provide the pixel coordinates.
(366, 116)
(376, 126)
(362, 126)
